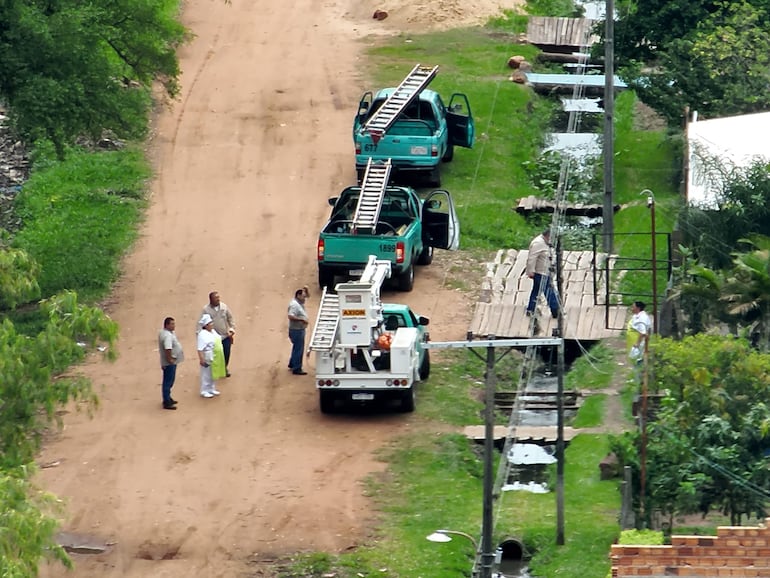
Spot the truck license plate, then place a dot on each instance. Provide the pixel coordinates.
(419, 150)
(356, 272)
(363, 396)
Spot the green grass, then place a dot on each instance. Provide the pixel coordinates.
(80, 216)
(591, 412)
(592, 370)
(591, 509)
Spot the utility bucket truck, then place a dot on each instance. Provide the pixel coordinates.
(366, 350)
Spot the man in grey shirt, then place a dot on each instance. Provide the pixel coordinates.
(171, 355)
(297, 324)
(224, 324)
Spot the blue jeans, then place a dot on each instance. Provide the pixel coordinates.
(227, 343)
(543, 284)
(169, 375)
(297, 338)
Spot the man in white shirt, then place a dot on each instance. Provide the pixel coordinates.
(639, 327)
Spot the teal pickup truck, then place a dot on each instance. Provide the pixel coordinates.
(406, 231)
(412, 126)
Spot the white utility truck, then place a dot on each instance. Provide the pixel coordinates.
(366, 350)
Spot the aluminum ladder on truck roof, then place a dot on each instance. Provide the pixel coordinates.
(372, 192)
(379, 123)
(326, 322)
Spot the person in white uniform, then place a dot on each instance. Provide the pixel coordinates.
(207, 338)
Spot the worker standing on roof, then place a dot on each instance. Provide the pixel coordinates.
(539, 270)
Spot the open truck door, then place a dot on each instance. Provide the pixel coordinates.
(460, 121)
(364, 106)
(439, 221)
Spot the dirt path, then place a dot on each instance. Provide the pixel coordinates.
(245, 162)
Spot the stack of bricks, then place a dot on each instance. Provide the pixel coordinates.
(735, 551)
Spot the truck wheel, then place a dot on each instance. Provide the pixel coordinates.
(325, 278)
(407, 401)
(328, 401)
(426, 256)
(406, 279)
(449, 154)
(360, 175)
(425, 366)
(434, 177)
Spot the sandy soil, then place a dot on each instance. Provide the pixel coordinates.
(245, 161)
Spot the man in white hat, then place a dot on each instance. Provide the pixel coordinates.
(207, 339)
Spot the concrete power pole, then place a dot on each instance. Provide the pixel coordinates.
(608, 211)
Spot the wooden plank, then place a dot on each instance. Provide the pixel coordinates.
(503, 314)
(478, 314)
(504, 326)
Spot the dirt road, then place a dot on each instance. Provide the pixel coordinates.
(245, 161)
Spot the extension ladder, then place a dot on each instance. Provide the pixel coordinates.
(326, 323)
(379, 123)
(372, 192)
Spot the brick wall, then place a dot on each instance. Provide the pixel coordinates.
(735, 551)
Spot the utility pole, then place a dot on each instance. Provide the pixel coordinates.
(560, 408)
(487, 552)
(608, 210)
(487, 527)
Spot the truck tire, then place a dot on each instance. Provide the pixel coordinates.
(406, 279)
(327, 401)
(425, 366)
(434, 177)
(360, 175)
(426, 256)
(325, 278)
(449, 154)
(407, 401)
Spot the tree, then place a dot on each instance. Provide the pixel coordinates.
(710, 56)
(644, 28)
(69, 68)
(748, 291)
(706, 444)
(719, 68)
(699, 293)
(32, 389)
(18, 278)
(28, 529)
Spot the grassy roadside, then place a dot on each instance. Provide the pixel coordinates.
(80, 216)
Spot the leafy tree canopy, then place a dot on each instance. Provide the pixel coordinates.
(707, 441)
(708, 56)
(32, 389)
(69, 68)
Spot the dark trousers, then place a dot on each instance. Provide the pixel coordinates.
(169, 376)
(543, 284)
(297, 338)
(227, 343)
